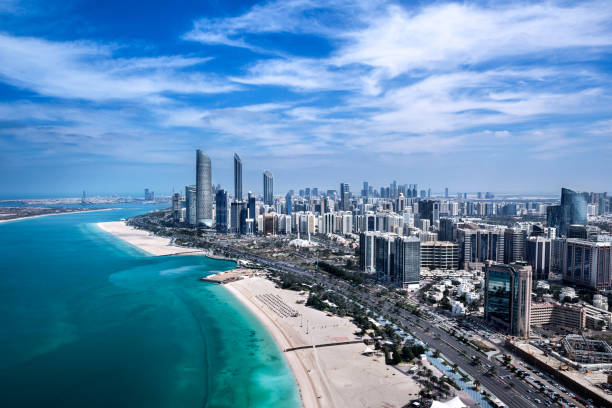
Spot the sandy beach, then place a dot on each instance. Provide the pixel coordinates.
(336, 375)
(331, 376)
(48, 215)
(154, 245)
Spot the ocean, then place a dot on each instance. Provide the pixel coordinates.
(87, 320)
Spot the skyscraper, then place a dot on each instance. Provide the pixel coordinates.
(268, 186)
(221, 211)
(508, 297)
(344, 196)
(572, 210)
(237, 178)
(538, 256)
(446, 192)
(203, 190)
(190, 205)
(288, 206)
(407, 259)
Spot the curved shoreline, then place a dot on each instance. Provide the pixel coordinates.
(47, 215)
(301, 375)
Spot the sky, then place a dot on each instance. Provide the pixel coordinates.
(116, 96)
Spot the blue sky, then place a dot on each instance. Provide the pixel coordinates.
(474, 95)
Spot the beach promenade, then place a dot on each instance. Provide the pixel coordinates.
(331, 376)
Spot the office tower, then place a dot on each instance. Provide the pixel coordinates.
(465, 196)
(429, 193)
(448, 230)
(344, 197)
(146, 194)
(307, 193)
(508, 297)
(383, 248)
(400, 204)
(314, 192)
(480, 245)
(221, 211)
(236, 216)
(414, 191)
(430, 210)
(407, 259)
(572, 210)
(366, 252)
(237, 178)
(251, 206)
(446, 192)
(366, 189)
(588, 263)
(288, 204)
(514, 245)
(479, 195)
(190, 205)
(439, 255)
(538, 256)
(268, 186)
(176, 207)
(204, 205)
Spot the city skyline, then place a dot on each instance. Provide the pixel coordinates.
(518, 101)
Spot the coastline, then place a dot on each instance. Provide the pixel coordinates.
(48, 215)
(300, 372)
(334, 375)
(144, 240)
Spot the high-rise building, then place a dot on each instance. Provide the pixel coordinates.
(221, 211)
(268, 186)
(407, 260)
(446, 192)
(237, 217)
(367, 258)
(430, 210)
(480, 245)
(237, 178)
(190, 205)
(572, 210)
(288, 203)
(366, 189)
(439, 255)
(514, 245)
(176, 207)
(508, 297)
(588, 263)
(448, 230)
(344, 196)
(538, 256)
(204, 205)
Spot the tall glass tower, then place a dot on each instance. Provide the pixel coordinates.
(573, 210)
(203, 190)
(268, 185)
(237, 178)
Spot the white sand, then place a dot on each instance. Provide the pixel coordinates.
(336, 376)
(154, 245)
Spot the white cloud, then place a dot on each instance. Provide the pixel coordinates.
(88, 71)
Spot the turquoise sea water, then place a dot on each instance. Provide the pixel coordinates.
(87, 320)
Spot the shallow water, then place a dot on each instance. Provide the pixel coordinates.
(88, 320)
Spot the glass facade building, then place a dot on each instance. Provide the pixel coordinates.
(572, 210)
(508, 297)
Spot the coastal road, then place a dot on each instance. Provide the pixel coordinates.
(520, 395)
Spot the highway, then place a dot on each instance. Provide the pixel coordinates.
(520, 395)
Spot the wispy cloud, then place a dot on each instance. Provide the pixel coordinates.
(87, 70)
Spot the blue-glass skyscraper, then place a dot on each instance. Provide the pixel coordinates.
(572, 210)
(221, 210)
